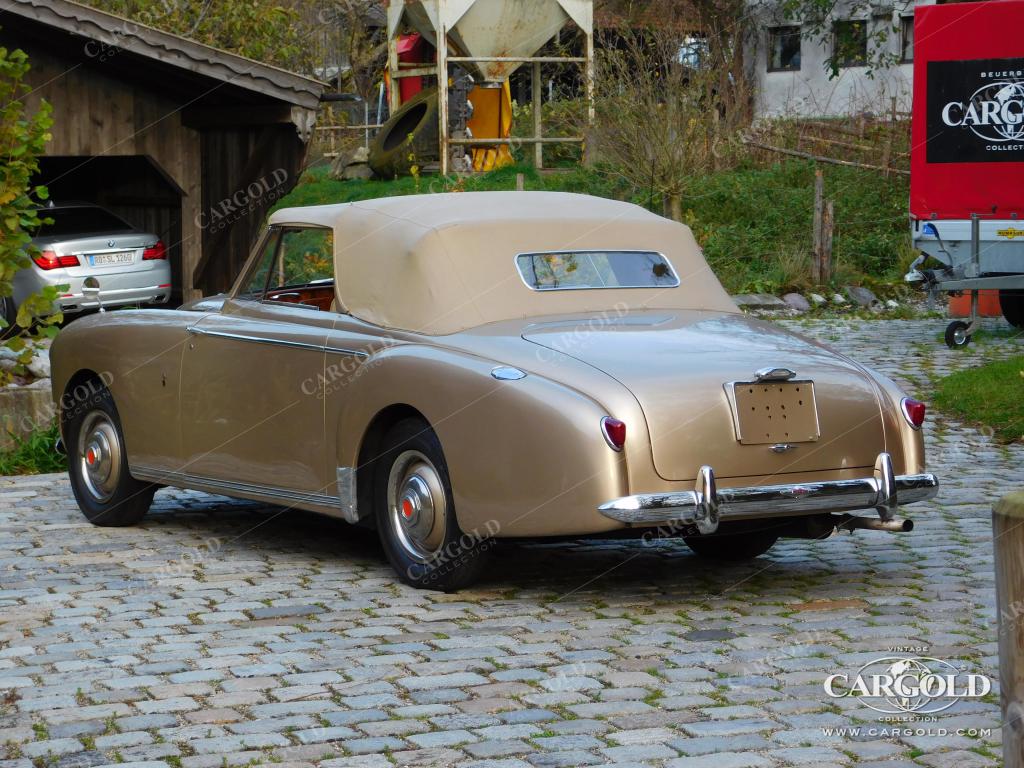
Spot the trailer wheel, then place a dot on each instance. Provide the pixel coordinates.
(1011, 304)
(956, 334)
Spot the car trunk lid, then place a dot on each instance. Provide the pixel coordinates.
(680, 365)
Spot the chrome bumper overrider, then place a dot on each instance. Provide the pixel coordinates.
(706, 506)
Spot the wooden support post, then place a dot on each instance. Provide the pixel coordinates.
(887, 152)
(394, 93)
(589, 77)
(1008, 540)
(825, 265)
(818, 230)
(442, 96)
(536, 86)
(520, 182)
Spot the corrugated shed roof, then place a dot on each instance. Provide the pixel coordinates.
(171, 49)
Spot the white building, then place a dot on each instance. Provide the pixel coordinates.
(791, 65)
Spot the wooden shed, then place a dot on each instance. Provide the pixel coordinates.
(179, 138)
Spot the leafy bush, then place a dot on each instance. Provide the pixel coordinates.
(23, 137)
(34, 455)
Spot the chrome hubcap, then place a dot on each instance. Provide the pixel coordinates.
(960, 335)
(416, 505)
(99, 455)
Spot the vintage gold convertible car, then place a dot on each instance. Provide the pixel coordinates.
(458, 368)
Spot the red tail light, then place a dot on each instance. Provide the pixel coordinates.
(50, 260)
(913, 412)
(156, 251)
(614, 432)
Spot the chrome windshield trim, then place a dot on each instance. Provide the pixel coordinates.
(882, 492)
(196, 330)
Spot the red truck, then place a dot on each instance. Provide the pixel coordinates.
(967, 153)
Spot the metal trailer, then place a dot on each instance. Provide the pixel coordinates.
(978, 254)
(967, 154)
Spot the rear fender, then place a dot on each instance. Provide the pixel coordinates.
(525, 457)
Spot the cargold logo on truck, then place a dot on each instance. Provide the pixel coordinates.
(975, 111)
(994, 112)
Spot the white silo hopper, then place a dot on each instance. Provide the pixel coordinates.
(490, 39)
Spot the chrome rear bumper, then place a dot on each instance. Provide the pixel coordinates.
(706, 505)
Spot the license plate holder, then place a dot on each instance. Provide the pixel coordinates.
(768, 412)
(111, 259)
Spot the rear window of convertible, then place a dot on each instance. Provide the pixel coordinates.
(569, 270)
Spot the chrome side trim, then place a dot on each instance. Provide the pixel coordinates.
(196, 330)
(347, 494)
(706, 506)
(231, 487)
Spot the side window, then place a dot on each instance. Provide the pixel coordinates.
(256, 283)
(306, 257)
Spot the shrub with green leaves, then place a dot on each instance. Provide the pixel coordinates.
(23, 138)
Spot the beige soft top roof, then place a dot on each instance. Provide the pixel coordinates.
(442, 263)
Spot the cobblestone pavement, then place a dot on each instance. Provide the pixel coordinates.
(218, 633)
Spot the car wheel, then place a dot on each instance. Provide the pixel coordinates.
(1011, 304)
(415, 513)
(956, 334)
(733, 547)
(98, 465)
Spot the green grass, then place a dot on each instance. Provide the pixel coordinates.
(754, 223)
(34, 455)
(989, 395)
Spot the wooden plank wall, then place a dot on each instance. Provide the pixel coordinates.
(245, 172)
(96, 115)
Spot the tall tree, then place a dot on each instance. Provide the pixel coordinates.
(271, 31)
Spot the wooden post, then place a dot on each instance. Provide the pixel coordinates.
(819, 213)
(520, 182)
(394, 94)
(825, 264)
(887, 152)
(588, 157)
(1008, 540)
(442, 95)
(538, 148)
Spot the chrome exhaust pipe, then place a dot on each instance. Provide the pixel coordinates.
(896, 525)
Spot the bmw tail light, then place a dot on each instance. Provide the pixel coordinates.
(614, 432)
(155, 251)
(50, 260)
(913, 411)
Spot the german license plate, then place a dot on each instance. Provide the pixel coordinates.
(775, 412)
(106, 259)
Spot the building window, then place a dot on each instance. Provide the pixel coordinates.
(784, 49)
(694, 52)
(907, 38)
(850, 43)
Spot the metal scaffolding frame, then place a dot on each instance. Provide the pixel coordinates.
(443, 15)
